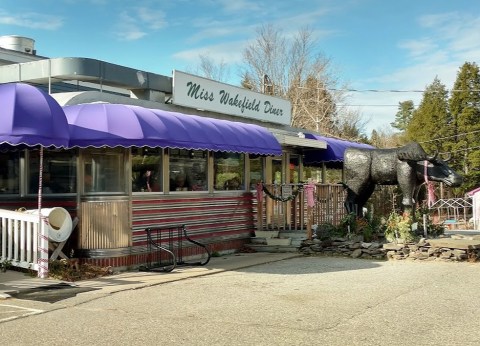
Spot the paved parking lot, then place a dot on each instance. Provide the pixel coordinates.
(297, 301)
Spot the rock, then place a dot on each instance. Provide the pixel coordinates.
(459, 255)
(390, 254)
(355, 246)
(356, 253)
(446, 254)
(326, 243)
(357, 238)
(392, 246)
(413, 247)
(422, 242)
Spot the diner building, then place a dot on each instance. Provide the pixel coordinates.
(148, 151)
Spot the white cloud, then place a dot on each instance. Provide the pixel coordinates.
(134, 24)
(239, 6)
(153, 19)
(444, 44)
(418, 48)
(31, 20)
(212, 33)
(228, 52)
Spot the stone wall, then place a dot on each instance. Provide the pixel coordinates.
(454, 248)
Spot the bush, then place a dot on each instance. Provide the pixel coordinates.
(399, 227)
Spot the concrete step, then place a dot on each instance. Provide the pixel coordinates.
(272, 248)
(270, 238)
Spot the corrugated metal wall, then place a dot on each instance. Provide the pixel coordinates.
(104, 225)
(208, 219)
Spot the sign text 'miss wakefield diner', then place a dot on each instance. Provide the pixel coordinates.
(206, 94)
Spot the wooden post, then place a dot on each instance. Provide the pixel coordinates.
(260, 206)
(309, 223)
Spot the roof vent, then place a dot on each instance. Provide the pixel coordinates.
(18, 43)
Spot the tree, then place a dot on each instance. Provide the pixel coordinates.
(386, 138)
(431, 121)
(465, 108)
(208, 68)
(293, 69)
(350, 125)
(404, 115)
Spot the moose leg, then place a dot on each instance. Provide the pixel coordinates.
(407, 183)
(356, 200)
(351, 201)
(364, 197)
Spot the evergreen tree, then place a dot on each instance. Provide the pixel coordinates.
(465, 108)
(431, 121)
(404, 115)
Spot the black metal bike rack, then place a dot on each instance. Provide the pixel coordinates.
(165, 248)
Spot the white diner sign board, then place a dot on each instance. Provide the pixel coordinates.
(206, 94)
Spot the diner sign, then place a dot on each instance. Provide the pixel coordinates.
(206, 94)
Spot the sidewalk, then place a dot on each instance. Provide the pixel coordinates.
(13, 282)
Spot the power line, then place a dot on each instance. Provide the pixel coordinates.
(392, 90)
(452, 136)
(349, 105)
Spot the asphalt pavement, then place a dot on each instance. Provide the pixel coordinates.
(261, 299)
(20, 285)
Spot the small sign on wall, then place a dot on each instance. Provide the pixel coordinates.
(287, 191)
(206, 94)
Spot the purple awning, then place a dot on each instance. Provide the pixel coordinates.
(103, 124)
(334, 152)
(29, 116)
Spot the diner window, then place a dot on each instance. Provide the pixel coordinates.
(277, 175)
(229, 171)
(59, 171)
(294, 169)
(188, 170)
(9, 172)
(256, 171)
(104, 171)
(146, 170)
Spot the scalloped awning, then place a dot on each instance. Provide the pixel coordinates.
(334, 151)
(112, 125)
(31, 117)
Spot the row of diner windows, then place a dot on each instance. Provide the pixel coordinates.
(104, 171)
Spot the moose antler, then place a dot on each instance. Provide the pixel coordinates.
(434, 157)
(448, 158)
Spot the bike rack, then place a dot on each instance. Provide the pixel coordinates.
(165, 248)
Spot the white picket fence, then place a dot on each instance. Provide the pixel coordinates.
(21, 243)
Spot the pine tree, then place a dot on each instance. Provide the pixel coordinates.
(404, 115)
(465, 108)
(430, 123)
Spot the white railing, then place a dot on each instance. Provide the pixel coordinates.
(20, 241)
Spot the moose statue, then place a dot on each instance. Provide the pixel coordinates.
(405, 166)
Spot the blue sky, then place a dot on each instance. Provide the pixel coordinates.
(372, 44)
